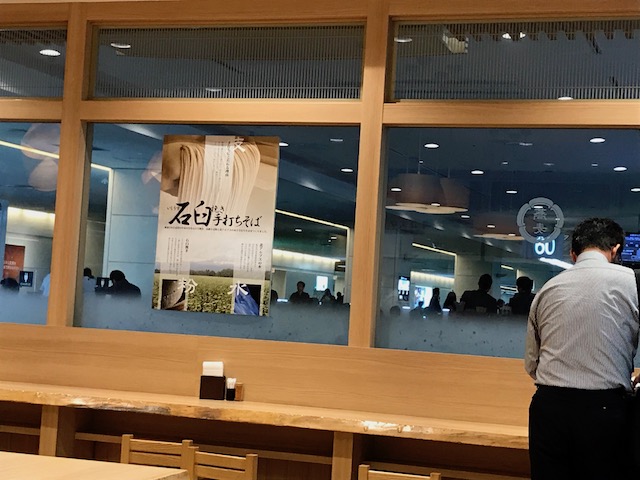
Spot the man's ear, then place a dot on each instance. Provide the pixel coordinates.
(573, 256)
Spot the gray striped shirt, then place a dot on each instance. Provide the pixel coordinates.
(583, 327)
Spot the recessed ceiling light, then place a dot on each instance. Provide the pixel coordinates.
(333, 237)
(49, 52)
(435, 204)
(597, 140)
(504, 163)
(512, 192)
(548, 164)
(283, 144)
(620, 169)
(565, 98)
(635, 189)
(525, 144)
(431, 145)
(213, 89)
(491, 225)
(396, 189)
(421, 161)
(346, 170)
(465, 216)
(299, 230)
(512, 234)
(120, 45)
(594, 164)
(336, 140)
(403, 39)
(477, 172)
(506, 36)
(538, 206)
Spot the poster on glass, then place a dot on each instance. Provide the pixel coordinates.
(215, 224)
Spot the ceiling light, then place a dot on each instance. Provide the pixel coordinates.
(620, 169)
(507, 267)
(557, 263)
(635, 189)
(506, 36)
(346, 170)
(433, 249)
(120, 45)
(538, 206)
(511, 235)
(283, 144)
(396, 189)
(299, 230)
(403, 39)
(594, 164)
(477, 172)
(465, 216)
(504, 163)
(522, 34)
(431, 145)
(336, 140)
(565, 98)
(525, 144)
(435, 204)
(333, 237)
(512, 192)
(311, 219)
(49, 52)
(597, 140)
(213, 89)
(548, 164)
(491, 225)
(29, 149)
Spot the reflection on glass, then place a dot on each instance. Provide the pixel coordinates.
(315, 207)
(486, 218)
(28, 177)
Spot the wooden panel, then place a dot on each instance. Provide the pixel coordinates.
(507, 9)
(224, 461)
(16, 109)
(344, 463)
(272, 112)
(218, 11)
(447, 473)
(19, 14)
(369, 210)
(515, 113)
(57, 431)
(482, 389)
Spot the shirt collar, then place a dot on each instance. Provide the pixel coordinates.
(592, 255)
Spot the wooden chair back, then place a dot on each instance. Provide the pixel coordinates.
(217, 466)
(365, 473)
(158, 454)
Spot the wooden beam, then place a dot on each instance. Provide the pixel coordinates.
(347, 454)
(515, 113)
(57, 431)
(495, 10)
(369, 210)
(73, 169)
(31, 110)
(271, 112)
(22, 14)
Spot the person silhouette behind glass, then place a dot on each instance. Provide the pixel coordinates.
(299, 297)
(479, 300)
(450, 301)
(120, 286)
(520, 303)
(434, 303)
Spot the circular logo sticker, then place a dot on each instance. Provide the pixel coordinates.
(540, 220)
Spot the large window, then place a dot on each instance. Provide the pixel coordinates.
(518, 60)
(231, 62)
(28, 177)
(314, 220)
(499, 203)
(32, 63)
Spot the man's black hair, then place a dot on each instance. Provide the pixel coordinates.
(524, 283)
(485, 281)
(600, 233)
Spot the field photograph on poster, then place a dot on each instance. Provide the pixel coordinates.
(215, 224)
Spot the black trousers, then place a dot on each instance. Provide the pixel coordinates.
(580, 434)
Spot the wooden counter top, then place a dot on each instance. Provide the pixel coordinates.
(349, 421)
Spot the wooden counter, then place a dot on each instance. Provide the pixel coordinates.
(346, 421)
(19, 466)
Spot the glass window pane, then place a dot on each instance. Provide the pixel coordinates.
(28, 176)
(230, 62)
(314, 217)
(32, 63)
(463, 203)
(518, 60)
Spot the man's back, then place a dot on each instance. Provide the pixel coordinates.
(587, 322)
(476, 300)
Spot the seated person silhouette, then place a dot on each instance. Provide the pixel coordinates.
(418, 312)
(120, 286)
(479, 300)
(300, 297)
(450, 301)
(520, 303)
(434, 303)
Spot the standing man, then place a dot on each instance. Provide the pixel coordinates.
(582, 336)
